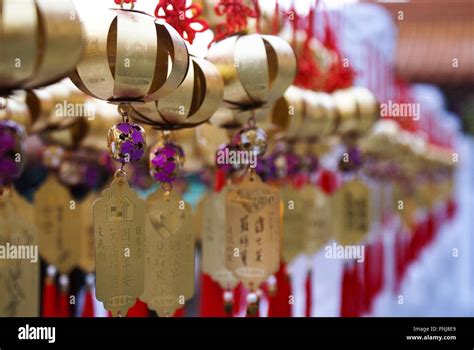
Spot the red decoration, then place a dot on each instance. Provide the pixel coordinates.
(237, 14)
(182, 18)
(180, 313)
(309, 293)
(308, 69)
(140, 309)
(220, 180)
(64, 303)
(340, 75)
(279, 301)
(121, 2)
(308, 74)
(49, 297)
(212, 301)
(88, 308)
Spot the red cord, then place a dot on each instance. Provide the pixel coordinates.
(237, 14)
(185, 19)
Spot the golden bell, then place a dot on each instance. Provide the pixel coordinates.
(257, 69)
(294, 98)
(381, 141)
(41, 42)
(191, 104)
(368, 108)
(346, 107)
(129, 57)
(320, 115)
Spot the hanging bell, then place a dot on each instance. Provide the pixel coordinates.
(257, 69)
(41, 42)
(129, 57)
(320, 116)
(191, 104)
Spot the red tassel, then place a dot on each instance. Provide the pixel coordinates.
(239, 298)
(279, 301)
(140, 309)
(451, 209)
(352, 287)
(309, 292)
(345, 291)
(88, 307)
(368, 277)
(328, 181)
(64, 310)
(50, 293)
(220, 180)
(212, 301)
(180, 312)
(380, 281)
(361, 306)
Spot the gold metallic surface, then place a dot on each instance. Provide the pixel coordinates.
(191, 104)
(19, 278)
(119, 231)
(213, 241)
(41, 42)
(256, 69)
(253, 231)
(129, 57)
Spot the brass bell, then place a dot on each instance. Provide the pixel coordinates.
(257, 69)
(41, 42)
(191, 104)
(129, 57)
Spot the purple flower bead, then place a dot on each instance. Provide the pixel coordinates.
(126, 142)
(166, 160)
(12, 144)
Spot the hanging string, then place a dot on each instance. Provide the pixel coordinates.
(276, 19)
(185, 19)
(340, 74)
(309, 73)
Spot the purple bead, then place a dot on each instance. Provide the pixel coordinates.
(282, 163)
(222, 159)
(127, 147)
(126, 142)
(124, 127)
(251, 139)
(12, 146)
(166, 160)
(310, 163)
(351, 160)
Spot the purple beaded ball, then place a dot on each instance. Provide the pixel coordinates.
(251, 139)
(223, 159)
(126, 142)
(12, 151)
(351, 160)
(166, 161)
(282, 164)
